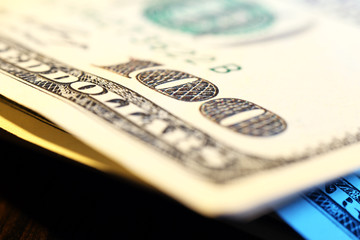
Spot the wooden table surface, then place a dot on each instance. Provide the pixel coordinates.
(45, 196)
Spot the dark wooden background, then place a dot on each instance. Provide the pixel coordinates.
(45, 196)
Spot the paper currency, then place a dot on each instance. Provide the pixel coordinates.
(328, 212)
(226, 106)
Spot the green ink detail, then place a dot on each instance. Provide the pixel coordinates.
(226, 68)
(213, 17)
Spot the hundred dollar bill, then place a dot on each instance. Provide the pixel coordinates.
(331, 211)
(226, 106)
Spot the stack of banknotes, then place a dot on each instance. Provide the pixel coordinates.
(232, 107)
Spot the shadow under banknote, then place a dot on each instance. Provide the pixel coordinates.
(71, 201)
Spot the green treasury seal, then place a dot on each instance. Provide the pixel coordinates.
(214, 17)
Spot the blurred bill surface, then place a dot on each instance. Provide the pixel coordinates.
(226, 106)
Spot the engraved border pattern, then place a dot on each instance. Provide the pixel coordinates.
(334, 211)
